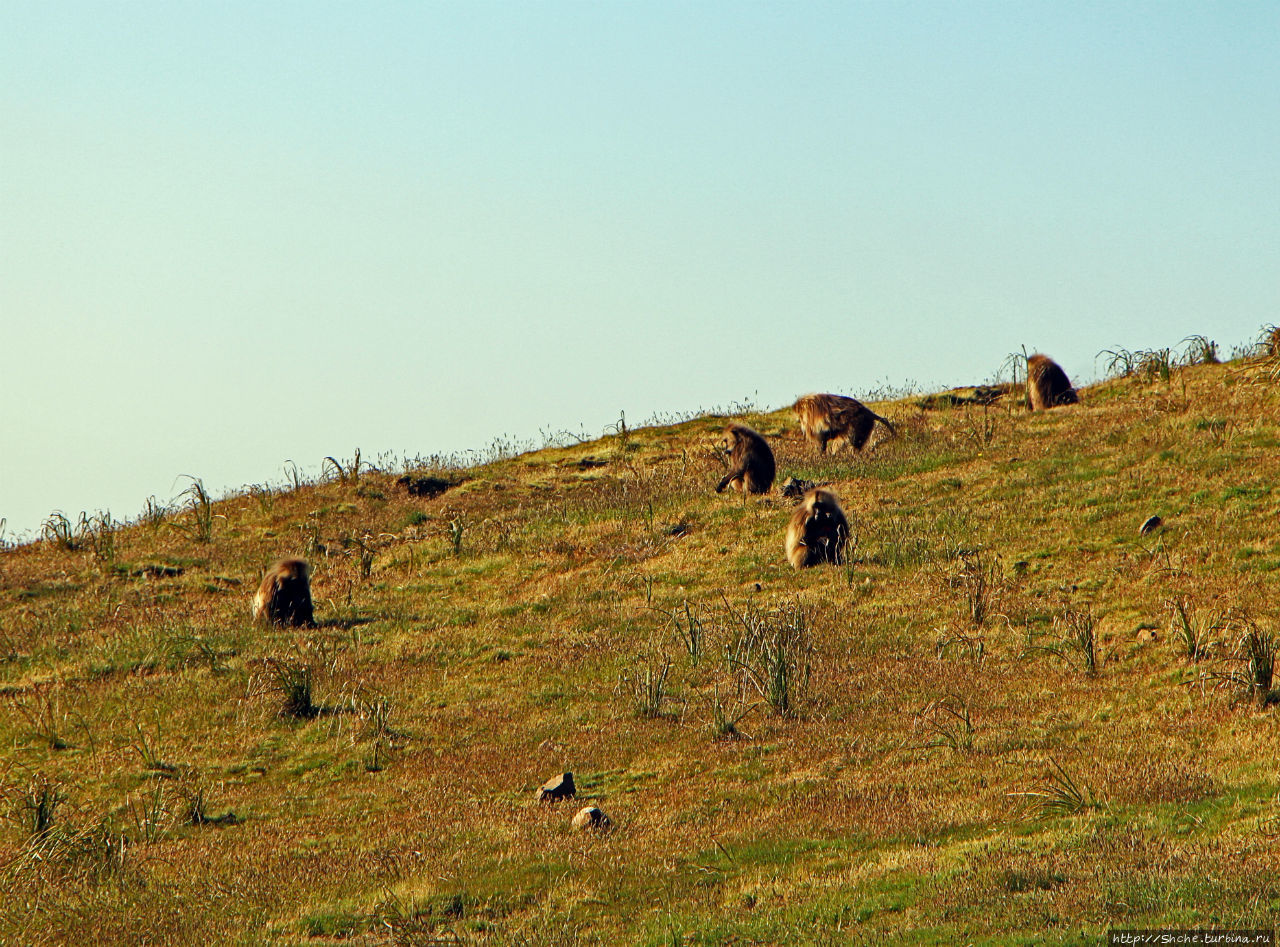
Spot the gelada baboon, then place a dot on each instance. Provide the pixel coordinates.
(284, 597)
(1047, 384)
(825, 418)
(818, 530)
(751, 466)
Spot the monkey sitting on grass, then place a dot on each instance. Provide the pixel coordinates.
(818, 530)
(1047, 384)
(751, 464)
(284, 597)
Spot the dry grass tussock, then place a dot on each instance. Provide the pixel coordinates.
(1007, 716)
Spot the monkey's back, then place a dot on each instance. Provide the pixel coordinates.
(284, 597)
(818, 530)
(1047, 384)
(757, 457)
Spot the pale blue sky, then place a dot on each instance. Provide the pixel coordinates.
(233, 234)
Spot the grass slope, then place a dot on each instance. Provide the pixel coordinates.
(949, 768)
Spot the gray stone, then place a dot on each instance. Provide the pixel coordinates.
(557, 788)
(797, 488)
(591, 818)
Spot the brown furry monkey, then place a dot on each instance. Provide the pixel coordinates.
(818, 530)
(825, 418)
(284, 597)
(1047, 384)
(751, 464)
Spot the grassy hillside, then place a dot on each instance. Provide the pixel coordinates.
(990, 726)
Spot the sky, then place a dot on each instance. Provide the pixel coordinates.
(236, 234)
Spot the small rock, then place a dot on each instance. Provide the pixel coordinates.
(557, 788)
(1150, 526)
(678, 529)
(591, 818)
(797, 488)
(428, 487)
(153, 571)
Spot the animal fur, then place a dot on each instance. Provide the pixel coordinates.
(1047, 384)
(818, 530)
(284, 597)
(826, 418)
(751, 464)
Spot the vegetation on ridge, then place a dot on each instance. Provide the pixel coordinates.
(1009, 717)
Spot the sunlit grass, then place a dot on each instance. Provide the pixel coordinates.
(1008, 717)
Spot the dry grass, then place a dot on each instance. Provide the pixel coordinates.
(788, 757)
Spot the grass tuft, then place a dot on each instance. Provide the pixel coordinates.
(725, 717)
(773, 653)
(1059, 795)
(38, 803)
(199, 512)
(1195, 632)
(646, 684)
(1258, 654)
(979, 576)
(945, 723)
(59, 531)
(44, 713)
(1075, 642)
(348, 473)
(292, 682)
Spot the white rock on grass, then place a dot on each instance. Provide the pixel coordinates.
(557, 788)
(591, 818)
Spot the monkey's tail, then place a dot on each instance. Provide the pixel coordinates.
(885, 421)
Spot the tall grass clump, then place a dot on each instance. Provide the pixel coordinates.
(1156, 364)
(100, 532)
(292, 682)
(646, 684)
(153, 513)
(1199, 350)
(1075, 642)
(45, 715)
(193, 807)
(1194, 632)
(773, 654)
(150, 813)
(1148, 364)
(624, 443)
(148, 750)
(690, 629)
(1059, 795)
(1258, 654)
(455, 529)
(38, 803)
(58, 529)
(199, 511)
(726, 716)
(1267, 350)
(376, 714)
(978, 578)
(946, 723)
(348, 473)
(1250, 667)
